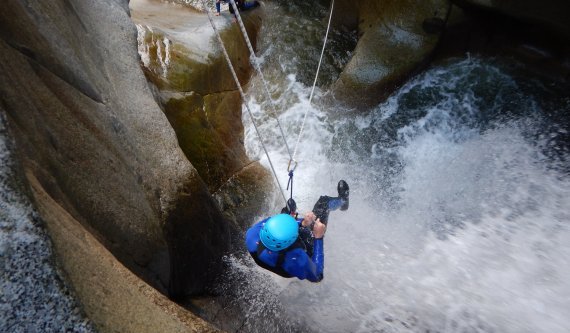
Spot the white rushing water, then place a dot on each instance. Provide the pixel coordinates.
(459, 218)
(458, 221)
(33, 297)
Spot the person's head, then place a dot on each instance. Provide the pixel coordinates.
(279, 232)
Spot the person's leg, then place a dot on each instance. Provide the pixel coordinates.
(218, 7)
(325, 204)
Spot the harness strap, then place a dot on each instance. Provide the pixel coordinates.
(280, 254)
(278, 268)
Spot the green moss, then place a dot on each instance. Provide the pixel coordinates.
(209, 131)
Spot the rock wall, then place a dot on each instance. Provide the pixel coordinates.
(550, 14)
(200, 99)
(113, 297)
(397, 39)
(89, 130)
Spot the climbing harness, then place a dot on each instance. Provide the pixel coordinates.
(292, 164)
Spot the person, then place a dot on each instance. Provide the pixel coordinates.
(291, 246)
(248, 4)
(238, 5)
(241, 6)
(218, 5)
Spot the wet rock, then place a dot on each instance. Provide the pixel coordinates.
(113, 297)
(88, 128)
(551, 14)
(172, 65)
(241, 196)
(210, 132)
(200, 98)
(393, 43)
(488, 31)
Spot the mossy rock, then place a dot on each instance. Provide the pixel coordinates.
(210, 132)
(171, 66)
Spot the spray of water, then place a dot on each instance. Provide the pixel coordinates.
(459, 215)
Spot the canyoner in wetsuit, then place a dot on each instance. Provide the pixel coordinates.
(293, 247)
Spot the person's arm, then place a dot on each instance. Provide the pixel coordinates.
(300, 265)
(319, 230)
(252, 235)
(319, 258)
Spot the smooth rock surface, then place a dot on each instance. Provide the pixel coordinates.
(90, 131)
(113, 297)
(200, 98)
(392, 44)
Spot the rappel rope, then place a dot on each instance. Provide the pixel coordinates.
(314, 83)
(231, 67)
(292, 162)
(244, 32)
(258, 68)
(265, 85)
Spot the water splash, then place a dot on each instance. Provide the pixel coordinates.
(459, 211)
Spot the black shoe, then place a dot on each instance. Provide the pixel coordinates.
(343, 193)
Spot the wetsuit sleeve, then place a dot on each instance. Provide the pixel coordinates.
(297, 263)
(252, 236)
(319, 257)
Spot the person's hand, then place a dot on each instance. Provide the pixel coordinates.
(319, 229)
(308, 219)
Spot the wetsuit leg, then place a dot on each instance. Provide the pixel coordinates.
(322, 208)
(324, 205)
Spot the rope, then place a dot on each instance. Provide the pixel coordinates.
(265, 85)
(290, 182)
(258, 68)
(273, 109)
(231, 67)
(314, 83)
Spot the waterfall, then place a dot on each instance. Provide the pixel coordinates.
(460, 204)
(459, 211)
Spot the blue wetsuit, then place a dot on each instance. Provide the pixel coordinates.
(304, 259)
(249, 4)
(295, 261)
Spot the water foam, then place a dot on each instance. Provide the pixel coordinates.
(458, 219)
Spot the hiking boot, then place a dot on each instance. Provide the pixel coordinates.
(343, 193)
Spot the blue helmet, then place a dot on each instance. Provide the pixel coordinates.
(279, 232)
